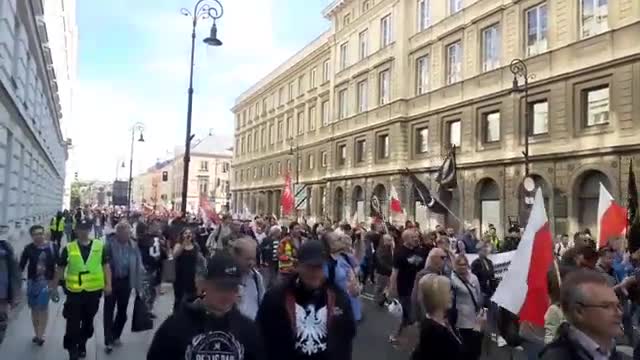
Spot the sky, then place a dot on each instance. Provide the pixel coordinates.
(133, 66)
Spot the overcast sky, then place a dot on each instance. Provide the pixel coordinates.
(133, 66)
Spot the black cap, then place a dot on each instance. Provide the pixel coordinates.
(224, 271)
(312, 252)
(84, 224)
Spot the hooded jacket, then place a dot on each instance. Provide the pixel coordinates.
(276, 319)
(193, 333)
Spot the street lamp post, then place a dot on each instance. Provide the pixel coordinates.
(294, 149)
(519, 70)
(202, 10)
(139, 127)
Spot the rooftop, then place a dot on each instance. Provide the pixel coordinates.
(214, 145)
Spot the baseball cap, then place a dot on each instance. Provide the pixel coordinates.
(312, 252)
(224, 271)
(84, 224)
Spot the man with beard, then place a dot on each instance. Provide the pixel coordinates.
(307, 317)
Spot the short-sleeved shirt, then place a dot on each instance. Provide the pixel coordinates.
(407, 262)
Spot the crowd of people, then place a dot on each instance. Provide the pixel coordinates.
(262, 290)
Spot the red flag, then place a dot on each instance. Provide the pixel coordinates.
(287, 196)
(612, 218)
(523, 291)
(396, 206)
(209, 211)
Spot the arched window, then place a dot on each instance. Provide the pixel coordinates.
(338, 204)
(587, 194)
(489, 206)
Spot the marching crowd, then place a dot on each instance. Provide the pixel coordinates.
(261, 290)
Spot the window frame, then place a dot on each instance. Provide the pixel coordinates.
(310, 161)
(422, 80)
(419, 140)
(362, 88)
(384, 88)
(383, 147)
(312, 78)
(343, 104)
(344, 55)
(326, 68)
(424, 14)
(312, 118)
(484, 128)
(300, 122)
(448, 126)
(323, 159)
(386, 36)
(600, 28)
(341, 154)
(454, 6)
(584, 106)
(531, 117)
(541, 43)
(325, 113)
(486, 63)
(360, 157)
(363, 44)
(450, 75)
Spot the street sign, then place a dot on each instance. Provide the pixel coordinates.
(300, 191)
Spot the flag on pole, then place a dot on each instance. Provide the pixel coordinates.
(209, 211)
(633, 227)
(612, 218)
(431, 202)
(287, 199)
(396, 206)
(535, 257)
(447, 175)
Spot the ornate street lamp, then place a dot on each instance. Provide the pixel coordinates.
(137, 127)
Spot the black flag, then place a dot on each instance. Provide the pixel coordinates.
(633, 220)
(428, 200)
(447, 174)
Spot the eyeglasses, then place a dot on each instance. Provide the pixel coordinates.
(612, 306)
(37, 233)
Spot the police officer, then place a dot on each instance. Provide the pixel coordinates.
(84, 265)
(210, 327)
(57, 228)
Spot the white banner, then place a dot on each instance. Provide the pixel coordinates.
(500, 261)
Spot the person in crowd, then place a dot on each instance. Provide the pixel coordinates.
(307, 317)
(594, 319)
(561, 246)
(468, 241)
(98, 224)
(491, 237)
(39, 257)
(434, 265)
(384, 266)
(341, 269)
(211, 327)
(407, 261)
(252, 288)
(188, 261)
(10, 280)
(444, 244)
(580, 257)
(368, 262)
(554, 317)
(438, 339)
(482, 267)
(84, 265)
(152, 253)
(202, 235)
(56, 228)
(287, 249)
(467, 302)
(269, 255)
(222, 235)
(259, 231)
(296, 233)
(126, 267)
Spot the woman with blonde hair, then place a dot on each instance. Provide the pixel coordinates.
(342, 267)
(438, 339)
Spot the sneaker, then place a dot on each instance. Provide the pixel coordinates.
(82, 352)
(108, 349)
(39, 342)
(34, 340)
(116, 343)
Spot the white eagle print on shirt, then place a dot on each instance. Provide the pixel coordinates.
(311, 329)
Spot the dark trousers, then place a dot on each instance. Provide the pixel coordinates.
(79, 310)
(56, 237)
(117, 302)
(472, 343)
(182, 293)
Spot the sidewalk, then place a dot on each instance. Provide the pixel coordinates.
(17, 344)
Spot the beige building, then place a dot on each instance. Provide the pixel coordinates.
(209, 171)
(394, 83)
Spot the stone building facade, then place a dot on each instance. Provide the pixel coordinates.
(407, 79)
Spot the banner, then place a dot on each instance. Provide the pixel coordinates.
(500, 261)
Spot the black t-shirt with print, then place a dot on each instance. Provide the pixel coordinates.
(407, 262)
(311, 323)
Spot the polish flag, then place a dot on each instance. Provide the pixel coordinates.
(396, 206)
(612, 218)
(208, 211)
(535, 257)
(287, 196)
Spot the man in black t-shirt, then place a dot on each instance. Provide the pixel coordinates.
(407, 261)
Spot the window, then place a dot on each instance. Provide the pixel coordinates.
(362, 96)
(225, 167)
(249, 138)
(365, 6)
(595, 14)
(325, 112)
(204, 165)
(289, 165)
(490, 48)
(385, 30)
(312, 78)
(344, 48)
(422, 75)
(289, 127)
(203, 185)
(310, 161)
(256, 140)
(424, 14)
(361, 148)
(280, 130)
(342, 154)
(453, 133)
(270, 134)
(299, 164)
(383, 146)
(536, 28)
(263, 138)
(291, 91)
(264, 105)
(346, 20)
(342, 104)
(301, 85)
(323, 159)
(270, 171)
(454, 62)
(383, 87)
(257, 109)
(312, 118)
(255, 172)
(280, 96)
(300, 123)
(596, 106)
(455, 6)
(325, 71)
(491, 126)
(363, 44)
(539, 114)
(278, 168)
(422, 140)
(237, 149)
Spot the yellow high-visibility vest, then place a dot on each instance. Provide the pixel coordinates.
(84, 276)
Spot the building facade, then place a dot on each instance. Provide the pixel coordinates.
(209, 176)
(34, 98)
(395, 83)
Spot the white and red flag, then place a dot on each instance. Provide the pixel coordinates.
(209, 211)
(287, 196)
(523, 290)
(396, 206)
(612, 218)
